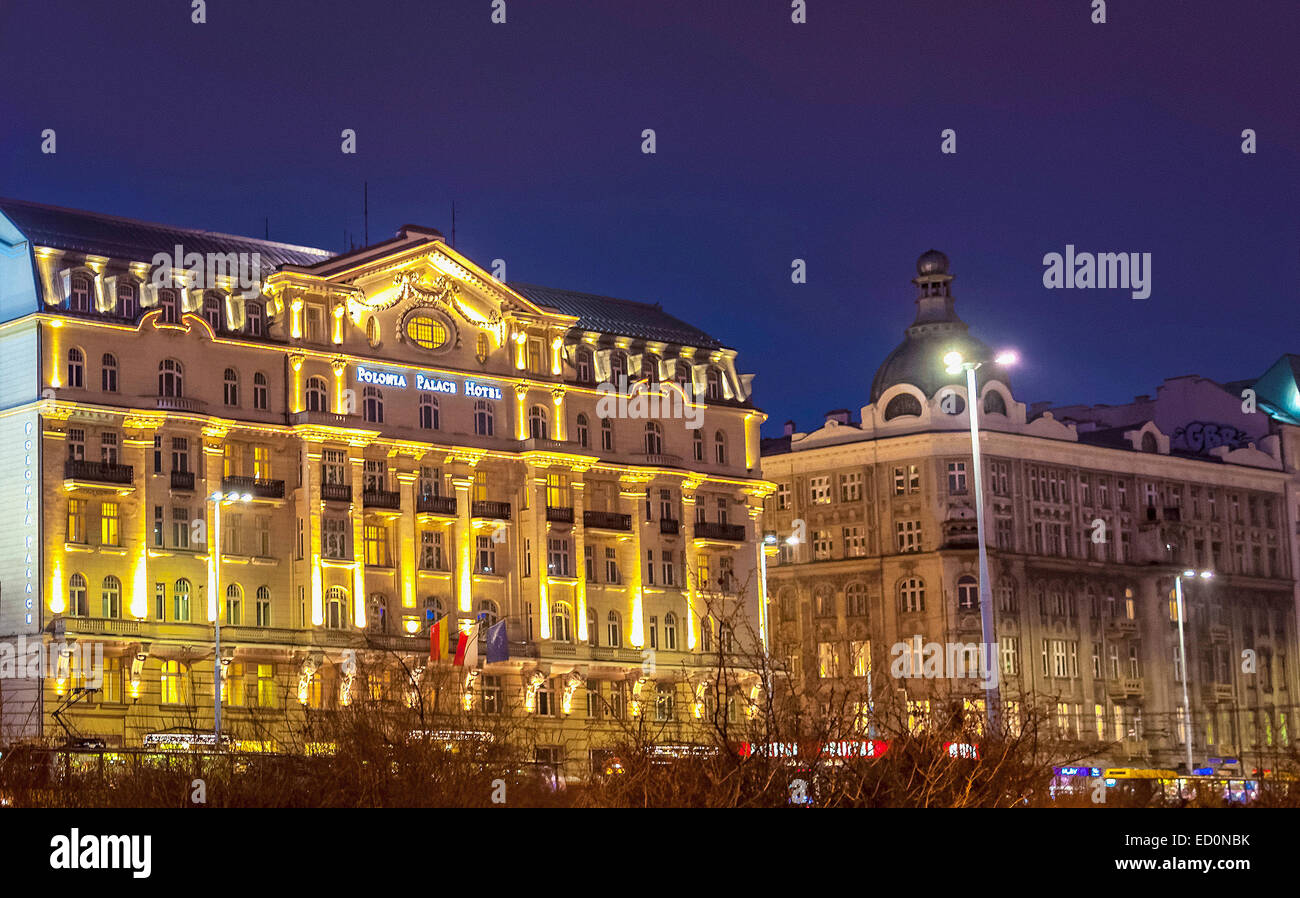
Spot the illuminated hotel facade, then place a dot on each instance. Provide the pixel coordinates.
(405, 436)
(873, 533)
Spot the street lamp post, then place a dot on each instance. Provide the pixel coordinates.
(1182, 653)
(218, 499)
(955, 364)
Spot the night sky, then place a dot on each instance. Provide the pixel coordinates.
(776, 141)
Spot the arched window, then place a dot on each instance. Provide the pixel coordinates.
(317, 395)
(584, 432)
(230, 386)
(212, 310)
(261, 398)
(111, 598)
(484, 423)
(682, 374)
(537, 423)
(181, 600)
(713, 384)
(372, 331)
(108, 373)
(650, 367)
(994, 404)
(606, 435)
(378, 620)
(904, 405)
(855, 600)
(372, 405)
(614, 630)
(126, 301)
(253, 317)
(167, 306)
(697, 445)
(720, 447)
(488, 613)
(617, 367)
(78, 604)
(951, 402)
(234, 605)
(585, 368)
(171, 378)
(336, 608)
(825, 599)
(1149, 443)
(263, 606)
(670, 632)
(561, 622)
(593, 626)
(430, 418)
(911, 594)
(968, 593)
(76, 368)
(79, 295)
(654, 439)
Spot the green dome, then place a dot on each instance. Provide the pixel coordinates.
(937, 331)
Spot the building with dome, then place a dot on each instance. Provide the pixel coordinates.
(1090, 514)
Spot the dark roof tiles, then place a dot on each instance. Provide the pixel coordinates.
(619, 316)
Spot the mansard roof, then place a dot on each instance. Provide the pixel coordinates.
(138, 241)
(622, 317)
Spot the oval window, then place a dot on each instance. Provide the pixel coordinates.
(426, 332)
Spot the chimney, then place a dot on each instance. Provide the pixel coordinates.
(789, 429)
(839, 415)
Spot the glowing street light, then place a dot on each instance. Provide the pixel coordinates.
(1182, 652)
(219, 499)
(955, 364)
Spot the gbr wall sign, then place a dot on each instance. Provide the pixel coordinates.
(425, 384)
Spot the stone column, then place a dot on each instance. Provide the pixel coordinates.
(358, 517)
(464, 540)
(406, 536)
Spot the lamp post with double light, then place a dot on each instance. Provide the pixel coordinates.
(218, 499)
(1182, 653)
(954, 364)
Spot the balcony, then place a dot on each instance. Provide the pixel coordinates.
(559, 514)
(183, 480)
(1125, 687)
(327, 419)
(713, 530)
(670, 526)
(542, 445)
(659, 459)
(98, 472)
(257, 487)
(105, 625)
(336, 492)
(497, 511)
(180, 404)
(436, 505)
(607, 520)
(1218, 692)
(1121, 627)
(390, 499)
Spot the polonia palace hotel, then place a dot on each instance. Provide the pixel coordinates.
(405, 437)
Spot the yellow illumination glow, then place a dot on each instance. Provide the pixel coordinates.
(317, 601)
(140, 597)
(58, 602)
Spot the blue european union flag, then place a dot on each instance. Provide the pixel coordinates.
(498, 645)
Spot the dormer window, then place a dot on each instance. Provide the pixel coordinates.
(253, 314)
(167, 306)
(79, 294)
(713, 384)
(126, 301)
(583, 360)
(212, 310)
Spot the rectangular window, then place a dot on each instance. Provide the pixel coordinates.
(828, 660)
(782, 496)
(956, 478)
(376, 536)
(611, 565)
(266, 685)
(431, 551)
(486, 557)
(76, 444)
(111, 689)
(855, 542)
(334, 538)
(860, 653)
(819, 490)
(180, 527)
(180, 454)
(159, 601)
(557, 557)
(334, 464)
(822, 545)
(851, 486)
(262, 462)
(76, 532)
(1010, 646)
(157, 454)
(909, 536)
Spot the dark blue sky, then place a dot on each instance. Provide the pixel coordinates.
(775, 141)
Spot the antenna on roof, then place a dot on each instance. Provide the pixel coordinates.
(366, 208)
(267, 222)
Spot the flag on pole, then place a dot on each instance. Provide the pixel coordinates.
(440, 635)
(498, 645)
(467, 647)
